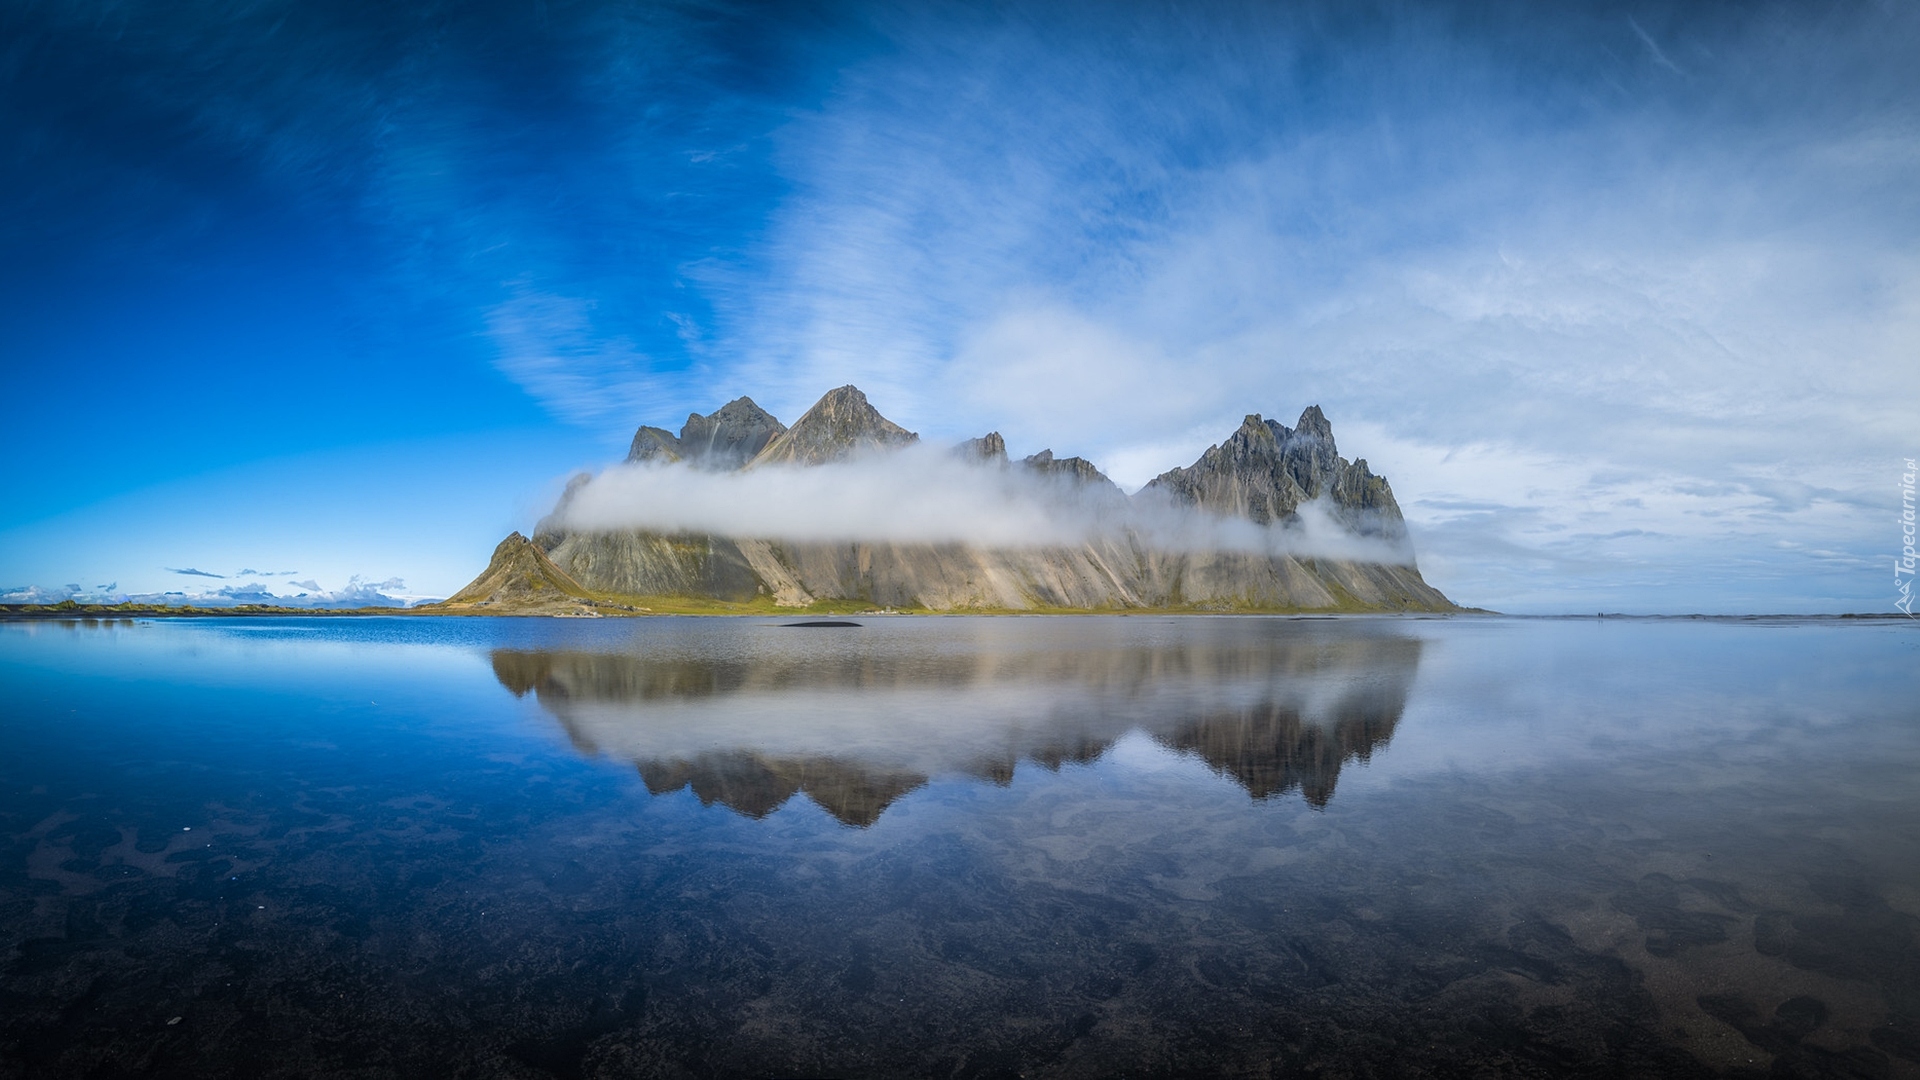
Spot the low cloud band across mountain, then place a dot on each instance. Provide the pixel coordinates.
(846, 506)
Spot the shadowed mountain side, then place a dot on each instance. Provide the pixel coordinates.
(727, 438)
(1110, 573)
(644, 564)
(855, 730)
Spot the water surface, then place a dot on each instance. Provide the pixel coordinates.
(960, 847)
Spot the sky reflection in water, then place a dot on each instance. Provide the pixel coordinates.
(961, 847)
(855, 717)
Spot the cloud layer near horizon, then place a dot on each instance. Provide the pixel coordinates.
(925, 495)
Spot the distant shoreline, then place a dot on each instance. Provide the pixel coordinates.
(150, 611)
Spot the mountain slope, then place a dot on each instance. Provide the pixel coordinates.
(519, 579)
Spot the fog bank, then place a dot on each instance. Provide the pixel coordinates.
(927, 496)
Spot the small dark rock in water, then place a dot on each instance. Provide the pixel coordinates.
(822, 622)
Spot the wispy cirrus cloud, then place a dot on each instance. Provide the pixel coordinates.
(1634, 281)
(1660, 252)
(1637, 246)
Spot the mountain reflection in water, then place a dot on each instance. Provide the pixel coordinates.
(1597, 847)
(856, 722)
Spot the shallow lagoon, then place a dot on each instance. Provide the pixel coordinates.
(960, 847)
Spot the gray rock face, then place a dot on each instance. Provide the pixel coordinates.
(1264, 472)
(726, 438)
(731, 436)
(988, 449)
(654, 444)
(1077, 481)
(839, 426)
(1076, 470)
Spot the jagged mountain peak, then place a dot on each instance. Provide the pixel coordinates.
(654, 444)
(743, 408)
(1257, 431)
(726, 438)
(1078, 470)
(1264, 472)
(1314, 423)
(842, 424)
(521, 578)
(988, 449)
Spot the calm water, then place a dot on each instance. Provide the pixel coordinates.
(960, 847)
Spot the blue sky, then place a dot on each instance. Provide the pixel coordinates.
(1623, 298)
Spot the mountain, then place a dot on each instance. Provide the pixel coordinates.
(1075, 470)
(988, 449)
(521, 580)
(1264, 473)
(839, 426)
(726, 438)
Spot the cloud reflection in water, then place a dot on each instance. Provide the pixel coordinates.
(855, 721)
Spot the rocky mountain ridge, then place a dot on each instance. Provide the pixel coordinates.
(1264, 473)
(727, 438)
